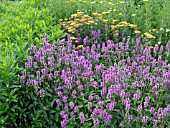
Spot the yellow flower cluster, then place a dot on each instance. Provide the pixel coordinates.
(149, 35)
(92, 2)
(137, 32)
(122, 2)
(132, 25)
(114, 21)
(108, 12)
(122, 24)
(145, 0)
(110, 3)
(120, 14)
(116, 25)
(80, 47)
(105, 21)
(73, 38)
(78, 20)
(133, 15)
(77, 0)
(96, 15)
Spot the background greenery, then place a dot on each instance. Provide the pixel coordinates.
(150, 17)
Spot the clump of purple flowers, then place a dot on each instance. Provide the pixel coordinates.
(105, 84)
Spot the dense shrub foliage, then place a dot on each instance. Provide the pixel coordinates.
(21, 23)
(108, 84)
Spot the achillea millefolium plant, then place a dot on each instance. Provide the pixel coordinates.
(82, 24)
(105, 85)
(146, 14)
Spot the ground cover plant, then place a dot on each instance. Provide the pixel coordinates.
(110, 84)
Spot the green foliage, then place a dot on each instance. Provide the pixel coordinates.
(21, 23)
(9, 87)
(37, 112)
(8, 106)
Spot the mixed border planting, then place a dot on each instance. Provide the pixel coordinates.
(84, 64)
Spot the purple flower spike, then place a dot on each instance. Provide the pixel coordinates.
(140, 108)
(108, 77)
(145, 119)
(63, 123)
(71, 104)
(79, 39)
(42, 93)
(82, 117)
(89, 105)
(96, 122)
(138, 40)
(58, 102)
(156, 48)
(106, 27)
(76, 109)
(96, 34)
(22, 79)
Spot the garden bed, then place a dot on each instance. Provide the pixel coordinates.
(85, 64)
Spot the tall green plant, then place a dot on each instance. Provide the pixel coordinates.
(21, 23)
(8, 89)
